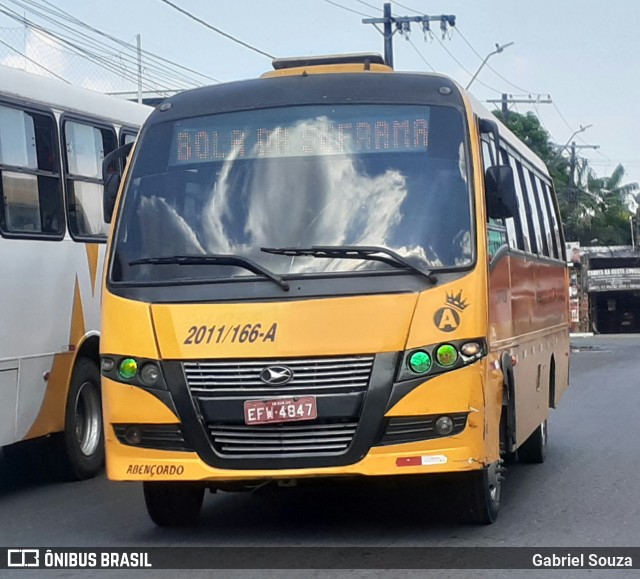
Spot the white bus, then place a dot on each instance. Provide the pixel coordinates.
(53, 138)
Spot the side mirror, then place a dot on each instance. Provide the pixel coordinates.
(112, 167)
(500, 189)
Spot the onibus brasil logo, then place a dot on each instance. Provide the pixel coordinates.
(447, 318)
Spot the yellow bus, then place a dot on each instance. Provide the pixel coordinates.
(53, 137)
(335, 270)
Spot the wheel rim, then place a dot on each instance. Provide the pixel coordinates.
(87, 418)
(543, 433)
(493, 483)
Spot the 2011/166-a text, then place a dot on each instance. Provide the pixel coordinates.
(241, 333)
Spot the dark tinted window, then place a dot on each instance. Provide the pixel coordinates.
(30, 180)
(390, 176)
(85, 148)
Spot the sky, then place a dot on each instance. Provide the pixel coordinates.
(585, 54)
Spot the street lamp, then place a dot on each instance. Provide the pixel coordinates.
(580, 130)
(496, 51)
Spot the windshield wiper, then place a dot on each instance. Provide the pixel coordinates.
(370, 252)
(214, 259)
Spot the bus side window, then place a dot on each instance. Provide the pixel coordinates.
(86, 146)
(541, 214)
(535, 226)
(553, 232)
(522, 224)
(30, 181)
(496, 228)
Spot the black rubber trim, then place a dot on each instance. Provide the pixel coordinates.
(258, 289)
(366, 436)
(345, 88)
(406, 429)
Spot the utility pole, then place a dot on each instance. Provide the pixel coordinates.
(573, 159)
(506, 100)
(392, 24)
(388, 34)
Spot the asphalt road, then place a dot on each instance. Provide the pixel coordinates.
(586, 494)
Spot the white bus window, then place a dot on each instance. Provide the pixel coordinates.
(31, 195)
(86, 147)
(126, 137)
(17, 139)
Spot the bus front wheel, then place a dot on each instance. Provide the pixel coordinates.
(172, 504)
(480, 494)
(82, 442)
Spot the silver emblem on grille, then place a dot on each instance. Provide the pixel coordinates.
(276, 375)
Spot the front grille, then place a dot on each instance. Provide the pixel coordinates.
(405, 429)
(282, 439)
(157, 436)
(241, 378)
(221, 387)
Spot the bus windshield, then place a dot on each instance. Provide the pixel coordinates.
(390, 176)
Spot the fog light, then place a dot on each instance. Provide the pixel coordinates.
(149, 374)
(419, 362)
(107, 364)
(128, 368)
(444, 425)
(133, 435)
(446, 355)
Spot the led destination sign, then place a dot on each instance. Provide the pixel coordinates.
(216, 138)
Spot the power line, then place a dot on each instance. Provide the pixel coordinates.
(367, 4)
(407, 8)
(221, 32)
(78, 49)
(121, 42)
(65, 16)
(82, 48)
(420, 54)
(33, 61)
(348, 9)
(465, 68)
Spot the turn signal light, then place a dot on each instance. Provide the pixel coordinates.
(470, 349)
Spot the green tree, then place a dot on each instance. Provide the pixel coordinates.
(590, 207)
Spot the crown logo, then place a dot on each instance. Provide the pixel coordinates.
(456, 301)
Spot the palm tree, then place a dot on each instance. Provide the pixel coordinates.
(611, 222)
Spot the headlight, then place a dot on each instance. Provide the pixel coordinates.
(133, 370)
(438, 358)
(128, 368)
(419, 362)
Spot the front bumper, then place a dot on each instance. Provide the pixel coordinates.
(459, 392)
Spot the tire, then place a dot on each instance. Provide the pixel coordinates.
(82, 442)
(172, 504)
(480, 495)
(534, 449)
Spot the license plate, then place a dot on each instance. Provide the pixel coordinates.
(280, 410)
